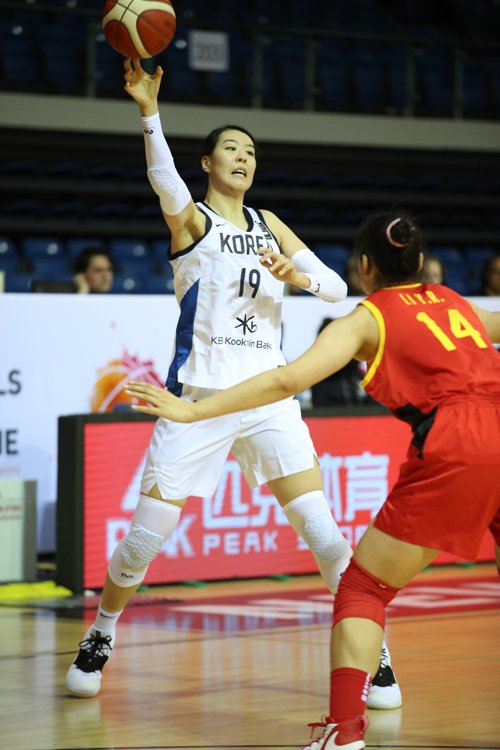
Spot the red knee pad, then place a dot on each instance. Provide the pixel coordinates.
(363, 595)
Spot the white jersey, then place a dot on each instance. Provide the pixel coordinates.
(229, 324)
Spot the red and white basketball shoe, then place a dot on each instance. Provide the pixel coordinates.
(348, 735)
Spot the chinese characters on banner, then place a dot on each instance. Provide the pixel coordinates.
(239, 532)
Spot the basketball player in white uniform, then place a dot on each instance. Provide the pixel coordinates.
(230, 263)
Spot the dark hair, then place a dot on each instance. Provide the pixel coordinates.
(212, 138)
(393, 241)
(82, 260)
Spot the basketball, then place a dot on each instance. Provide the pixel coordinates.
(139, 28)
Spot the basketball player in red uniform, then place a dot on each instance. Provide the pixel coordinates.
(431, 360)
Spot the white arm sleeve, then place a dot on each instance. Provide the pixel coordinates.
(162, 174)
(325, 283)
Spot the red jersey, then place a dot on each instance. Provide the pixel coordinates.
(433, 349)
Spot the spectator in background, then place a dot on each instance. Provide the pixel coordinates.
(490, 277)
(351, 276)
(93, 271)
(342, 387)
(432, 270)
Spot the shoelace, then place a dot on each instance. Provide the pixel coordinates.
(319, 724)
(96, 645)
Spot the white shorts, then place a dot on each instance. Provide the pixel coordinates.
(269, 442)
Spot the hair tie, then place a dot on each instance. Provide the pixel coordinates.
(389, 237)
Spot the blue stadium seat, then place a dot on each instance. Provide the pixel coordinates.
(19, 282)
(475, 258)
(9, 264)
(135, 266)
(75, 245)
(333, 255)
(475, 99)
(159, 284)
(42, 247)
(458, 279)
(8, 248)
(159, 249)
(128, 249)
(18, 62)
(73, 210)
(451, 258)
(369, 85)
(112, 211)
(26, 208)
(64, 169)
(60, 62)
(21, 168)
(48, 267)
(109, 68)
(129, 284)
(334, 90)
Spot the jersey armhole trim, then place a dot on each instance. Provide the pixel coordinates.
(379, 319)
(208, 227)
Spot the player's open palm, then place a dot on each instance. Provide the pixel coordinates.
(141, 86)
(159, 402)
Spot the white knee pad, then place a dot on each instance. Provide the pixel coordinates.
(152, 524)
(311, 518)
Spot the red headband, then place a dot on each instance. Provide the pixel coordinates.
(389, 237)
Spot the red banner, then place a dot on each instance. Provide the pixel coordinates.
(239, 532)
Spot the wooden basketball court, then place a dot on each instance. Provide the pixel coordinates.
(245, 665)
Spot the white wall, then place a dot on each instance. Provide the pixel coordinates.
(121, 117)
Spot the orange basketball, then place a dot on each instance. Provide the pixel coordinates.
(139, 28)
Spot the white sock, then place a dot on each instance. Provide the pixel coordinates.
(105, 622)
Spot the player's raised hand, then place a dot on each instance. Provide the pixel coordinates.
(143, 87)
(281, 267)
(159, 402)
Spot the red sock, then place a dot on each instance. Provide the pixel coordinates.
(348, 693)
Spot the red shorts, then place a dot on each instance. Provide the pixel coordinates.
(449, 497)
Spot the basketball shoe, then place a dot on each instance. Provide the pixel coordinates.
(384, 692)
(348, 735)
(83, 678)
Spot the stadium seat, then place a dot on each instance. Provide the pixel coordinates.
(7, 248)
(75, 245)
(48, 267)
(333, 255)
(9, 264)
(42, 247)
(369, 86)
(449, 255)
(112, 211)
(159, 249)
(123, 249)
(135, 266)
(129, 284)
(18, 63)
(159, 284)
(18, 282)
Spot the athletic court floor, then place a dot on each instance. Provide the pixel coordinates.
(244, 664)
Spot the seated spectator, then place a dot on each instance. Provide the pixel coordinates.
(352, 278)
(342, 388)
(93, 269)
(433, 270)
(490, 277)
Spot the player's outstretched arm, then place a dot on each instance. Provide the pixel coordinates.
(355, 335)
(491, 321)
